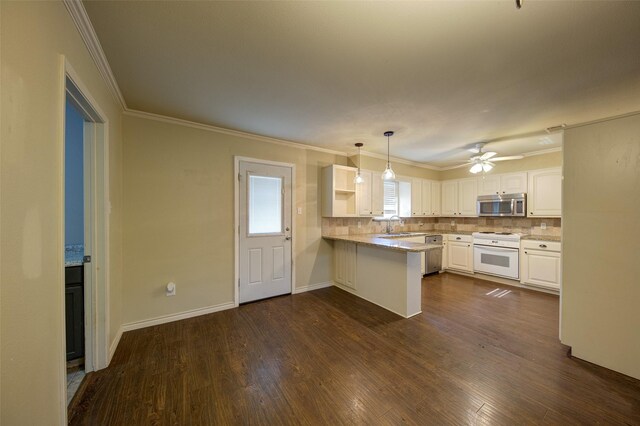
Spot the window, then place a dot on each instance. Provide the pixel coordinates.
(265, 205)
(391, 198)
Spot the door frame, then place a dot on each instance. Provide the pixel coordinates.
(236, 220)
(96, 300)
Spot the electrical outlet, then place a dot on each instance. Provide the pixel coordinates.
(171, 289)
(299, 210)
(453, 223)
(543, 225)
(359, 224)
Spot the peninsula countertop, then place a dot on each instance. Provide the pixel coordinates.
(387, 242)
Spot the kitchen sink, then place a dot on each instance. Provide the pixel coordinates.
(400, 234)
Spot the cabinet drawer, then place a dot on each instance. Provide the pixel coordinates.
(460, 238)
(540, 245)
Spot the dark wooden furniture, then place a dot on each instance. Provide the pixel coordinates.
(74, 311)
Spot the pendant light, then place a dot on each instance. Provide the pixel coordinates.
(358, 179)
(388, 173)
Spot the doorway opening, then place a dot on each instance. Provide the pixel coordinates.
(85, 229)
(265, 229)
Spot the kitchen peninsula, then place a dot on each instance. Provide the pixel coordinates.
(380, 269)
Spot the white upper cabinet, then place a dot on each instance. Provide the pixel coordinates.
(513, 183)
(450, 198)
(436, 194)
(544, 198)
(467, 197)
(364, 193)
(507, 183)
(339, 191)
(489, 185)
(416, 197)
(370, 194)
(377, 194)
(426, 198)
(459, 197)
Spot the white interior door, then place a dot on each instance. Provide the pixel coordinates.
(265, 231)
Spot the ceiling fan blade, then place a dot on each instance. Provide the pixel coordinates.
(488, 155)
(459, 165)
(513, 157)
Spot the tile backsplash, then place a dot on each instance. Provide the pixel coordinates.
(532, 226)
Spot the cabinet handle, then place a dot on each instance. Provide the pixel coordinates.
(542, 246)
(370, 212)
(530, 212)
(526, 252)
(458, 238)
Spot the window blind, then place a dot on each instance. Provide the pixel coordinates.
(390, 198)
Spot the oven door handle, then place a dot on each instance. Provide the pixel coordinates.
(498, 249)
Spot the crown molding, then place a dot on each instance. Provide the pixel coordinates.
(398, 160)
(222, 130)
(85, 28)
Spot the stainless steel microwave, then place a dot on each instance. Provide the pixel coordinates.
(502, 205)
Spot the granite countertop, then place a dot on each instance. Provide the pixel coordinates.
(73, 255)
(377, 240)
(551, 238)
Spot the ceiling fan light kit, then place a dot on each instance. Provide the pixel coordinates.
(388, 173)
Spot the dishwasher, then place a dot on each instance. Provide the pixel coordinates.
(433, 258)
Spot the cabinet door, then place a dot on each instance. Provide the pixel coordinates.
(339, 262)
(416, 197)
(351, 250)
(450, 198)
(513, 183)
(377, 194)
(445, 254)
(467, 197)
(545, 193)
(364, 191)
(426, 198)
(489, 185)
(541, 268)
(436, 194)
(460, 256)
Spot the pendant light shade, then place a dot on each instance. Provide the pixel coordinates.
(358, 179)
(388, 173)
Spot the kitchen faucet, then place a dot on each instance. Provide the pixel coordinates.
(389, 229)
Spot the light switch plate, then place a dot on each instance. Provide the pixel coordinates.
(299, 210)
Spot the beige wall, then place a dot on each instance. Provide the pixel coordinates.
(601, 244)
(32, 354)
(401, 169)
(534, 162)
(179, 215)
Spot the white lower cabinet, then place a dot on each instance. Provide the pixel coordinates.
(460, 252)
(445, 253)
(541, 264)
(344, 263)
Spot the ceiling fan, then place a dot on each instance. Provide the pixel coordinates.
(483, 161)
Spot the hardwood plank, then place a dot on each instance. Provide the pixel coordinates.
(328, 357)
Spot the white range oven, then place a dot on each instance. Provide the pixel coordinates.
(497, 253)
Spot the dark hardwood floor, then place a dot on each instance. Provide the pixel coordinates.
(327, 357)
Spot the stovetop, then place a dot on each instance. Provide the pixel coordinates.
(500, 236)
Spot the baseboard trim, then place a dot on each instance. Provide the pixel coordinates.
(177, 317)
(505, 281)
(312, 287)
(114, 345)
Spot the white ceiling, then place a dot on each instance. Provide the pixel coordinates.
(443, 75)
